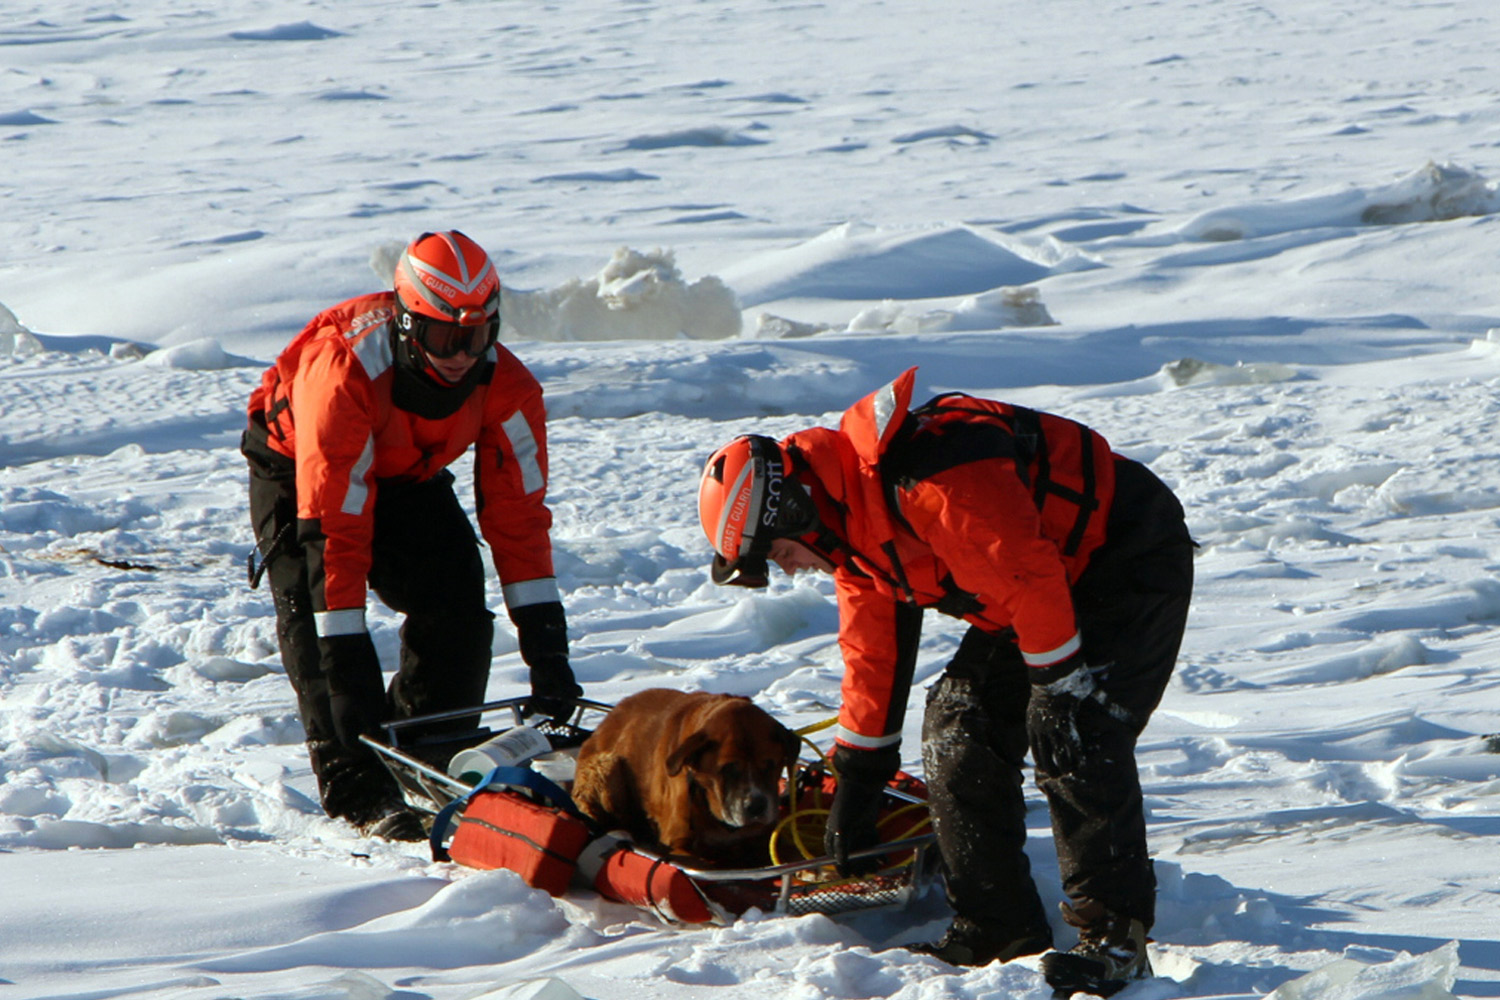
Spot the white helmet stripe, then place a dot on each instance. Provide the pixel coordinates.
(461, 284)
(458, 255)
(408, 265)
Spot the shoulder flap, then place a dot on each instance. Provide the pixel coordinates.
(873, 421)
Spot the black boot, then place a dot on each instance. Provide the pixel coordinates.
(1110, 953)
(399, 823)
(355, 786)
(970, 943)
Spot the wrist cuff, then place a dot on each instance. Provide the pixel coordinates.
(1047, 676)
(348, 621)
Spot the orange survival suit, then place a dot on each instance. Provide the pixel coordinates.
(1073, 568)
(994, 536)
(348, 443)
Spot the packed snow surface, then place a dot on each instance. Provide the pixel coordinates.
(1252, 244)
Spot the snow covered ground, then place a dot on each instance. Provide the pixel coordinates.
(1252, 243)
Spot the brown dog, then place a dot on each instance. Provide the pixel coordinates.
(692, 774)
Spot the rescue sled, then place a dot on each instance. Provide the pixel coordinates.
(521, 818)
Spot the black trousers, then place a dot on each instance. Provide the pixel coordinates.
(426, 564)
(1131, 604)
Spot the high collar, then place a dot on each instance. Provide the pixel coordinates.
(415, 389)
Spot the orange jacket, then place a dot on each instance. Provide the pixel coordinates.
(327, 406)
(941, 508)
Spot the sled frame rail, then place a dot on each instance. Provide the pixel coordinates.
(793, 896)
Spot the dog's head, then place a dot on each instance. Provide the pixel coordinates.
(736, 758)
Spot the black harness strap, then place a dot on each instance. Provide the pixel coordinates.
(889, 548)
(1089, 501)
(664, 912)
(257, 570)
(1025, 425)
(273, 415)
(957, 602)
(1032, 463)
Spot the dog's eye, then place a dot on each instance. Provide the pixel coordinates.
(730, 771)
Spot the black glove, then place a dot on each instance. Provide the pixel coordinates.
(543, 633)
(1057, 695)
(863, 776)
(356, 691)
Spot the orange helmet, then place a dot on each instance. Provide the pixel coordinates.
(447, 295)
(747, 499)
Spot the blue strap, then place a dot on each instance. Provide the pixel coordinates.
(523, 778)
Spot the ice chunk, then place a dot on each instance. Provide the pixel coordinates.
(1425, 977)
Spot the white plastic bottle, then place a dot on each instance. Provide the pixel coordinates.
(511, 748)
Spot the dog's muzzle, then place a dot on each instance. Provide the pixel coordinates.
(753, 808)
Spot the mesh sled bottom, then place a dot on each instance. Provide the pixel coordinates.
(797, 891)
(863, 895)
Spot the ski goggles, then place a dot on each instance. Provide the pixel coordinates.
(473, 333)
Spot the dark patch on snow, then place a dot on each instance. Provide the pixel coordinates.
(621, 176)
(301, 31)
(943, 132)
(25, 118)
(702, 137)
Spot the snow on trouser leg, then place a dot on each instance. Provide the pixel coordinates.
(973, 748)
(1098, 821)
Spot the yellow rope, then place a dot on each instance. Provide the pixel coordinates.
(817, 727)
(806, 826)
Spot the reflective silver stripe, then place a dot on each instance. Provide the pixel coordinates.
(374, 351)
(885, 408)
(462, 282)
(539, 591)
(359, 488)
(350, 621)
(591, 858)
(1052, 656)
(407, 265)
(854, 739)
(747, 530)
(523, 444)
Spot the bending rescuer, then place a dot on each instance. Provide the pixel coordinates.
(349, 439)
(1072, 567)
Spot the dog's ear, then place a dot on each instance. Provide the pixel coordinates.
(691, 752)
(790, 742)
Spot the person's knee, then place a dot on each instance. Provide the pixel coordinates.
(433, 587)
(425, 555)
(952, 702)
(459, 636)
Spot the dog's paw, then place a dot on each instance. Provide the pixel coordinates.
(597, 787)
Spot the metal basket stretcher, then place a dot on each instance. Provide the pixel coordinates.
(808, 884)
